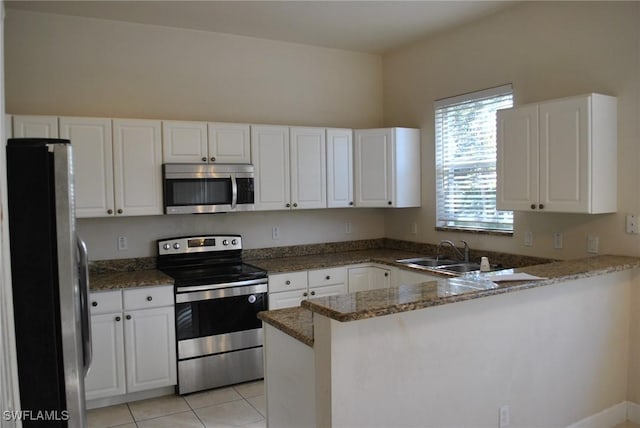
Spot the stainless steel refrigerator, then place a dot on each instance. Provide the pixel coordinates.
(49, 278)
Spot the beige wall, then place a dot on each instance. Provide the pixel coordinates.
(547, 50)
(64, 65)
(80, 66)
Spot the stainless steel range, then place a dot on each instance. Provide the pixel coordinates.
(217, 300)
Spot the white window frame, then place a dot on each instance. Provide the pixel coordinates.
(453, 203)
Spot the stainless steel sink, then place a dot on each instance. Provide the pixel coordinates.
(435, 264)
(426, 262)
(460, 267)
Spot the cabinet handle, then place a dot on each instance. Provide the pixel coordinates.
(213, 158)
(389, 203)
(533, 206)
(295, 204)
(288, 205)
(386, 274)
(287, 282)
(109, 211)
(128, 317)
(149, 298)
(541, 206)
(351, 203)
(118, 319)
(119, 210)
(204, 159)
(313, 293)
(94, 304)
(328, 277)
(305, 294)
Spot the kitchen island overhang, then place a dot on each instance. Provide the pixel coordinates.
(555, 352)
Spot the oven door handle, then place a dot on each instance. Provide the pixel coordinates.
(206, 292)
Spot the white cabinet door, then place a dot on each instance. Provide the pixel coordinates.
(564, 155)
(286, 299)
(270, 155)
(150, 344)
(406, 277)
(327, 290)
(92, 145)
(368, 278)
(339, 168)
(35, 126)
(373, 168)
(137, 152)
(229, 143)
(8, 126)
(308, 168)
(184, 142)
(517, 159)
(106, 376)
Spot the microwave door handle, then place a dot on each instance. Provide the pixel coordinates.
(234, 192)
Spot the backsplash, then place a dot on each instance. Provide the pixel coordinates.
(504, 259)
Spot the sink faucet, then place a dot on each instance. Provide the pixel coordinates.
(462, 256)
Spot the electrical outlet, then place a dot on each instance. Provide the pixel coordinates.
(414, 229)
(528, 239)
(275, 233)
(347, 227)
(632, 224)
(557, 240)
(123, 245)
(592, 244)
(503, 416)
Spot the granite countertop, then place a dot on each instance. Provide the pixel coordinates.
(128, 279)
(369, 304)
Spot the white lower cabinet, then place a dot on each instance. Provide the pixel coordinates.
(289, 289)
(133, 339)
(407, 277)
(368, 277)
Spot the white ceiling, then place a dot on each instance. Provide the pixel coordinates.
(366, 26)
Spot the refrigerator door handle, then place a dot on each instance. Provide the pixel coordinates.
(83, 279)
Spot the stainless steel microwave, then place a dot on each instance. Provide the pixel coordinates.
(210, 188)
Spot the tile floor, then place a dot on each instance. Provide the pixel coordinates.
(235, 406)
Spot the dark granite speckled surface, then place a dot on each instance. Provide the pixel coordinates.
(368, 304)
(127, 279)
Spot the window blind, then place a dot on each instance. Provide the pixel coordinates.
(466, 160)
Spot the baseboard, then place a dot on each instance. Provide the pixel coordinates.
(633, 412)
(608, 418)
(127, 398)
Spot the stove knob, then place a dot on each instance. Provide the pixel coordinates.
(225, 242)
(166, 246)
(234, 242)
(176, 246)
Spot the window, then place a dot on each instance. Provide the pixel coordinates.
(466, 160)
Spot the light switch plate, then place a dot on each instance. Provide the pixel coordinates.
(528, 239)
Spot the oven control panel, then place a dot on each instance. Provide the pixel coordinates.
(199, 244)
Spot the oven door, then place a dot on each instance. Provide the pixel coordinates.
(211, 321)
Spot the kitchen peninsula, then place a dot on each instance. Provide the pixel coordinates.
(452, 353)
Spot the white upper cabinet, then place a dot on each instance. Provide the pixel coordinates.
(229, 143)
(339, 168)
(308, 167)
(202, 142)
(35, 126)
(270, 154)
(92, 146)
(184, 142)
(387, 167)
(559, 156)
(137, 161)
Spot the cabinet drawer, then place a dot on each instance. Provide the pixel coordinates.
(148, 297)
(287, 281)
(327, 276)
(103, 302)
